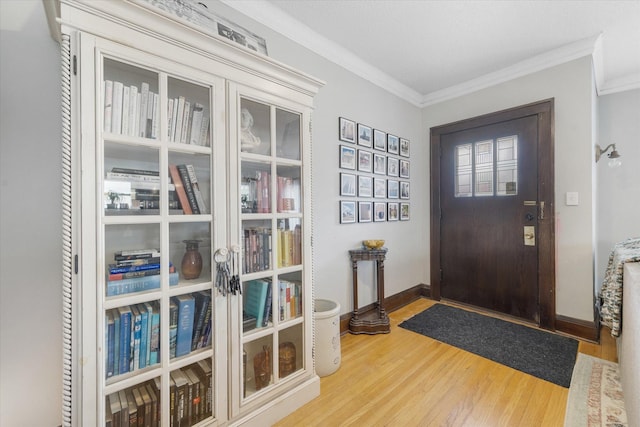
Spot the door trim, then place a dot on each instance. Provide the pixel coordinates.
(544, 110)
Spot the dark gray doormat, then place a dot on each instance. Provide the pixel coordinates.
(536, 352)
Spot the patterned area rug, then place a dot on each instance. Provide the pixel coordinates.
(595, 396)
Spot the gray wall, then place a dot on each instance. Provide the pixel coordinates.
(618, 190)
(30, 219)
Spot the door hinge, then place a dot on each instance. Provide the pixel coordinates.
(75, 264)
(75, 65)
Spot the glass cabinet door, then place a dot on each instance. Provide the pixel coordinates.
(158, 302)
(271, 214)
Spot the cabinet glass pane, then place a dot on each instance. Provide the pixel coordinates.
(290, 346)
(136, 406)
(132, 258)
(190, 251)
(256, 246)
(132, 181)
(289, 296)
(188, 113)
(191, 394)
(288, 189)
(289, 243)
(255, 127)
(189, 323)
(257, 302)
(288, 134)
(257, 365)
(130, 101)
(255, 187)
(190, 179)
(132, 339)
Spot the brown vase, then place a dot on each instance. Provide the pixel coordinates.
(192, 260)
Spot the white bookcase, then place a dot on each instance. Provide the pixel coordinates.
(151, 102)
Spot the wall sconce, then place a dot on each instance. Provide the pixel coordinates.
(614, 156)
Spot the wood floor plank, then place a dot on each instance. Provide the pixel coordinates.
(406, 379)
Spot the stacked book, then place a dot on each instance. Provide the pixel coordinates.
(131, 110)
(136, 270)
(188, 122)
(141, 186)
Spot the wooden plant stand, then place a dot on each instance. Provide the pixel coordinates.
(373, 321)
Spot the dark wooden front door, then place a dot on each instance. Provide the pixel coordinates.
(490, 212)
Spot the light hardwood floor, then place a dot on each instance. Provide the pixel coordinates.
(405, 379)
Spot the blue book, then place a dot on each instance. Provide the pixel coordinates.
(154, 340)
(255, 297)
(114, 269)
(136, 320)
(144, 335)
(173, 328)
(267, 306)
(110, 343)
(138, 284)
(202, 305)
(186, 311)
(149, 308)
(125, 339)
(116, 342)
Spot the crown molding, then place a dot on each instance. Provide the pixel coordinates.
(282, 23)
(621, 84)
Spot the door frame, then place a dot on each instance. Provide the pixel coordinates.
(544, 110)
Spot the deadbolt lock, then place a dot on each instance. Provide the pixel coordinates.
(529, 235)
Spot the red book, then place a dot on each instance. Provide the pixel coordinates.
(182, 194)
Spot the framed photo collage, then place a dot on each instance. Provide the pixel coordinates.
(374, 176)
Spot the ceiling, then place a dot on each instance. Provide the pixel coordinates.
(428, 51)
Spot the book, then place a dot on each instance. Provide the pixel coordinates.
(173, 328)
(177, 135)
(149, 119)
(115, 408)
(144, 335)
(136, 319)
(139, 261)
(144, 102)
(180, 191)
(186, 183)
(181, 414)
(255, 297)
(154, 336)
(196, 124)
(184, 333)
(203, 369)
(155, 118)
(116, 107)
(126, 99)
(116, 341)
(133, 113)
(133, 408)
(148, 307)
(124, 412)
(148, 406)
(138, 284)
(267, 307)
(155, 408)
(202, 207)
(108, 100)
(197, 399)
(202, 300)
(185, 123)
(111, 333)
(140, 408)
(205, 335)
(115, 268)
(204, 131)
(125, 339)
(130, 171)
